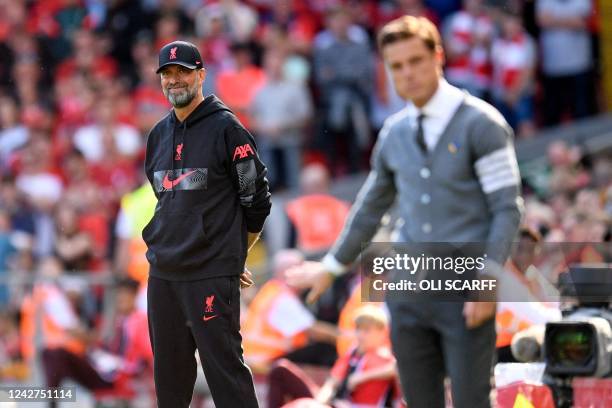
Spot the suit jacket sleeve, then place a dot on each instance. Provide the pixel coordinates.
(497, 170)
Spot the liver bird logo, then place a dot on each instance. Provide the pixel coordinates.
(209, 304)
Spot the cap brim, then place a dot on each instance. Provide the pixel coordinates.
(183, 64)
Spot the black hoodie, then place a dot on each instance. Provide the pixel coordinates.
(211, 189)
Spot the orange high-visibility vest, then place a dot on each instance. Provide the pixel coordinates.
(507, 324)
(53, 336)
(138, 265)
(318, 219)
(27, 327)
(261, 342)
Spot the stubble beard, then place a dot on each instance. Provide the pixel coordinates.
(183, 98)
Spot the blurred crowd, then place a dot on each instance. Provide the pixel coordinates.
(79, 93)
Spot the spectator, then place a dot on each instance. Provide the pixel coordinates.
(124, 20)
(299, 23)
(514, 60)
(73, 247)
(586, 227)
(239, 19)
(385, 101)
(238, 85)
(347, 339)
(171, 10)
(13, 202)
(444, 8)
(67, 19)
(135, 213)
(93, 201)
(344, 71)
(467, 37)
(567, 173)
(296, 67)
(112, 362)
(527, 297)
(6, 250)
(316, 217)
(75, 99)
(87, 58)
(280, 113)
(127, 350)
(106, 133)
(277, 324)
(417, 8)
(167, 29)
(28, 85)
(61, 329)
(13, 134)
(364, 375)
(566, 58)
(215, 46)
(38, 179)
(76, 174)
(12, 367)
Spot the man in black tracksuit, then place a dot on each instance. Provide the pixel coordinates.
(213, 200)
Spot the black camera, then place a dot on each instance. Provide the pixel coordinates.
(581, 343)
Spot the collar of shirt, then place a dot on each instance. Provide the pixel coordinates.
(438, 111)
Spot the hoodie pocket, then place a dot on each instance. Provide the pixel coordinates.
(176, 240)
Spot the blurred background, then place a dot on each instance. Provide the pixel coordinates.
(79, 93)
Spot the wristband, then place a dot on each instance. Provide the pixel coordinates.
(332, 265)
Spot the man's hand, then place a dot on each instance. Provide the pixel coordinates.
(476, 313)
(311, 275)
(246, 279)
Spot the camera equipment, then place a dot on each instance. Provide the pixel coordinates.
(581, 344)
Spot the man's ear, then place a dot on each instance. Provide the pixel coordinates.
(202, 74)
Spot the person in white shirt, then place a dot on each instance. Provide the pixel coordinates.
(90, 139)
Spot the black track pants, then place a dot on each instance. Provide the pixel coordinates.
(203, 314)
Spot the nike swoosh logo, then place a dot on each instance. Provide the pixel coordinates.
(205, 318)
(167, 184)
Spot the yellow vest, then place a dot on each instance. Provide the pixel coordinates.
(138, 206)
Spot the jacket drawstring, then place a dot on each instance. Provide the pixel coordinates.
(172, 160)
(172, 152)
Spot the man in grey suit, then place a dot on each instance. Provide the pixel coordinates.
(449, 159)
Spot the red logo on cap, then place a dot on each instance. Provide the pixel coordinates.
(173, 53)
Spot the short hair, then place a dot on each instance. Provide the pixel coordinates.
(406, 27)
(371, 314)
(528, 232)
(128, 284)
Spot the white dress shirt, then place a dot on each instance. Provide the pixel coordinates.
(438, 112)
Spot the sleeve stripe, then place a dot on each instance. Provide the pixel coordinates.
(490, 160)
(498, 169)
(502, 175)
(503, 163)
(498, 184)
